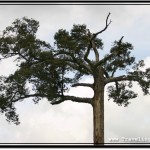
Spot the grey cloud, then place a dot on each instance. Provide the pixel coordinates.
(43, 123)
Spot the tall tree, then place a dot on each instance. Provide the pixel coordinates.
(51, 71)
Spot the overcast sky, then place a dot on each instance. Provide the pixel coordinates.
(71, 122)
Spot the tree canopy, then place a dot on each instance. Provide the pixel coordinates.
(52, 71)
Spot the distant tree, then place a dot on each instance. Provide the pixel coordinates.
(51, 71)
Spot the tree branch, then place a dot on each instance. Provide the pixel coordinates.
(107, 24)
(91, 45)
(113, 72)
(121, 78)
(95, 51)
(102, 61)
(22, 56)
(74, 60)
(87, 54)
(108, 57)
(83, 84)
(73, 99)
(27, 96)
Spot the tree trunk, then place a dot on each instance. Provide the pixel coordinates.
(98, 109)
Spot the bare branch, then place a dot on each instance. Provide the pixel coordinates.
(73, 99)
(121, 78)
(95, 51)
(114, 79)
(90, 46)
(107, 24)
(83, 84)
(120, 40)
(87, 54)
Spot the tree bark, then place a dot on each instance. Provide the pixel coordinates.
(98, 108)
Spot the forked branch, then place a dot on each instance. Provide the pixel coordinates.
(107, 24)
(108, 57)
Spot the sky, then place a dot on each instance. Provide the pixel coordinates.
(71, 122)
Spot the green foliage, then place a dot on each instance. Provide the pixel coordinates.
(6, 105)
(121, 57)
(48, 72)
(75, 42)
(121, 93)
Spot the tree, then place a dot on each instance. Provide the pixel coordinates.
(51, 71)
